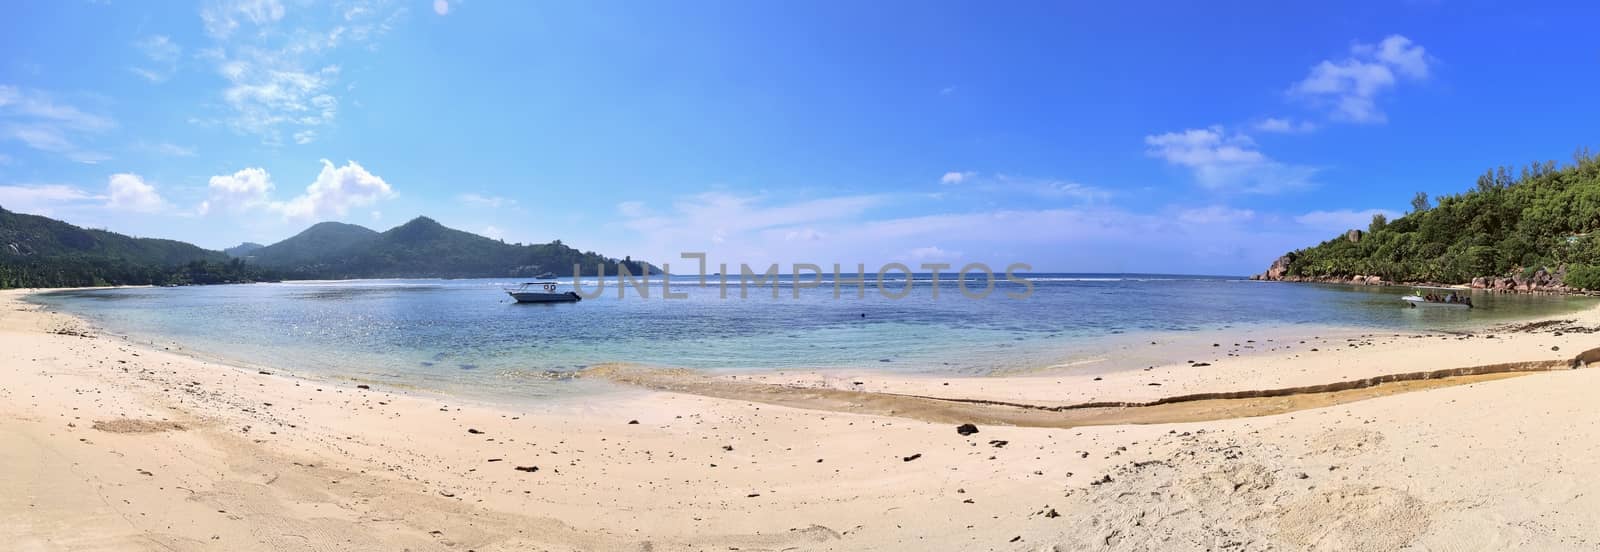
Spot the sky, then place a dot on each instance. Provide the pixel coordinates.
(1171, 137)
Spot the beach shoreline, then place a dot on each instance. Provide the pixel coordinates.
(121, 446)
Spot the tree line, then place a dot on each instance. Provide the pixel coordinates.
(1512, 221)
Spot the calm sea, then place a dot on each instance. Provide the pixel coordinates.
(467, 336)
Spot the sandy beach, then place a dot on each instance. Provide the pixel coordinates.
(110, 445)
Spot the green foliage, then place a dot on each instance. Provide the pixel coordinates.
(1583, 276)
(1378, 222)
(1542, 217)
(1419, 202)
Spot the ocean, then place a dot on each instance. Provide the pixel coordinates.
(468, 337)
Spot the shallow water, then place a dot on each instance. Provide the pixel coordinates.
(467, 336)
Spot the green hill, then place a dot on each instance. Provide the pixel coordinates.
(39, 251)
(421, 248)
(1528, 229)
(314, 249)
(245, 249)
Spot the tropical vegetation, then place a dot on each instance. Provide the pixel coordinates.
(1512, 222)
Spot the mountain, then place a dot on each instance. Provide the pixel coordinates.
(25, 236)
(243, 249)
(38, 251)
(1527, 231)
(313, 249)
(421, 248)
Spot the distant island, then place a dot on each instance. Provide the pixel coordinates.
(1532, 230)
(37, 251)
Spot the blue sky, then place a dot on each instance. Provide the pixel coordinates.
(1108, 136)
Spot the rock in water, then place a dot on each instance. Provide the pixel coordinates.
(966, 429)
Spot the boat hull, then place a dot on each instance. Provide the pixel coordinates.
(542, 297)
(1420, 302)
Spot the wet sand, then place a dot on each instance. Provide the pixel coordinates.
(113, 446)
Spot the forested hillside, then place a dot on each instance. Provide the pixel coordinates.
(1511, 224)
(422, 248)
(38, 251)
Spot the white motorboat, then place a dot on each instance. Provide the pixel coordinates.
(542, 292)
(1448, 301)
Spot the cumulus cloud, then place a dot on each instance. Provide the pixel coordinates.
(955, 177)
(129, 192)
(1350, 87)
(1227, 162)
(335, 191)
(243, 190)
(441, 7)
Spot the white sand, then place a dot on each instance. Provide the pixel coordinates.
(193, 455)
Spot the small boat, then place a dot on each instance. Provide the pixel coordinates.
(541, 292)
(1447, 301)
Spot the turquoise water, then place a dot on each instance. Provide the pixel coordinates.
(467, 336)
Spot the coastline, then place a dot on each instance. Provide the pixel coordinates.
(197, 455)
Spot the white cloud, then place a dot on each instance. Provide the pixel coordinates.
(166, 148)
(956, 177)
(41, 199)
(1007, 185)
(243, 190)
(488, 201)
(129, 192)
(223, 17)
(277, 84)
(1342, 219)
(1226, 162)
(930, 253)
(335, 191)
(163, 55)
(441, 7)
(733, 229)
(720, 220)
(42, 123)
(1284, 126)
(492, 231)
(1070, 190)
(1350, 87)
